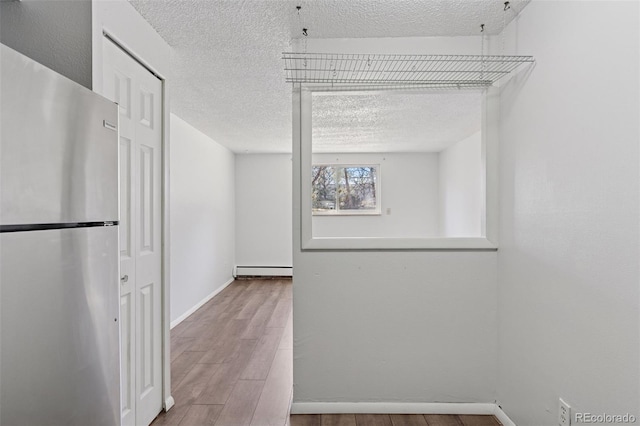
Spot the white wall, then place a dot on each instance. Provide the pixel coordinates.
(407, 326)
(569, 178)
(460, 189)
(263, 210)
(202, 216)
(408, 187)
(56, 34)
(394, 326)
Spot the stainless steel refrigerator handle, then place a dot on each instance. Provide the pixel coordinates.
(124, 279)
(109, 126)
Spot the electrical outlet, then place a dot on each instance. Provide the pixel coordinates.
(564, 414)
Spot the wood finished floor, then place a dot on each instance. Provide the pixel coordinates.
(231, 365)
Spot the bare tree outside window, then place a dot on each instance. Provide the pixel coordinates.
(324, 188)
(344, 189)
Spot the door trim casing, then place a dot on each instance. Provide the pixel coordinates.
(110, 19)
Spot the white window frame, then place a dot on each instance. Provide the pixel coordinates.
(302, 174)
(341, 212)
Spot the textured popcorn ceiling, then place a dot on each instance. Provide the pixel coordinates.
(394, 122)
(228, 74)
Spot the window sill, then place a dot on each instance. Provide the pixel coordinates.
(347, 213)
(433, 244)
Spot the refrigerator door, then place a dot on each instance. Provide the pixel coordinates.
(59, 151)
(59, 327)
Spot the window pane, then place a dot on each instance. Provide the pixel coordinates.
(357, 188)
(324, 188)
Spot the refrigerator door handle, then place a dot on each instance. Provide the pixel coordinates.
(124, 279)
(109, 126)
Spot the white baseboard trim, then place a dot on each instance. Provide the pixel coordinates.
(401, 408)
(393, 408)
(502, 417)
(264, 271)
(199, 304)
(168, 403)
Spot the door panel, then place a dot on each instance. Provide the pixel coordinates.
(148, 235)
(127, 356)
(126, 238)
(139, 95)
(118, 80)
(146, 108)
(146, 199)
(122, 93)
(146, 339)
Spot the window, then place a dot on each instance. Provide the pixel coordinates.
(345, 189)
(340, 132)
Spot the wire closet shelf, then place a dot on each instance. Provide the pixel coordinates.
(386, 70)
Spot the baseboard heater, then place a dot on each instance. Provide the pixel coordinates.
(263, 271)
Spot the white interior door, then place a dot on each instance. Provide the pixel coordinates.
(139, 95)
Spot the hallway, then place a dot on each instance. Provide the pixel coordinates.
(231, 360)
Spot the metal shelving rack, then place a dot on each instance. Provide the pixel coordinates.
(389, 71)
